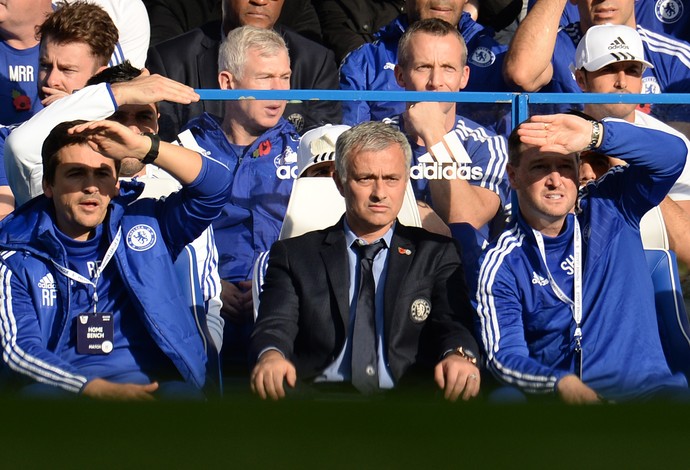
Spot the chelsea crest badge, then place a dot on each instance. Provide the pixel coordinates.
(141, 237)
(420, 310)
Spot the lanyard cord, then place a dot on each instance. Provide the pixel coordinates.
(75, 276)
(576, 302)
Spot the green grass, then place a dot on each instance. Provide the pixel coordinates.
(405, 432)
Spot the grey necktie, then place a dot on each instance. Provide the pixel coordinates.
(365, 376)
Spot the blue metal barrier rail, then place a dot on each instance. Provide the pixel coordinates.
(519, 101)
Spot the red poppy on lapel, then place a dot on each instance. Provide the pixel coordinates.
(264, 148)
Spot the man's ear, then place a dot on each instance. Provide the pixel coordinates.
(226, 80)
(511, 175)
(398, 72)
(47, 189)
(581, 79)
(465, 77)
(338, 183)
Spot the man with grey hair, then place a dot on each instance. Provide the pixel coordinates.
(259, 146)
(367, 304)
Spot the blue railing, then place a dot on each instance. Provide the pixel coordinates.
(519, 101)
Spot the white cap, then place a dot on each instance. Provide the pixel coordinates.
(608, 43)
(318, 145)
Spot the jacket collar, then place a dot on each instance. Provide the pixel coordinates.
(334, 256)
(208, 123)
(401, 253)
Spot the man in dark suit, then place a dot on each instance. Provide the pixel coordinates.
(312, 308)
(192, 59)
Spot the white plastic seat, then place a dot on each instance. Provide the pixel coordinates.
(674, 329)
(315, 203)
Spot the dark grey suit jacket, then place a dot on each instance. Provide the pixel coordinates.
(304, 310)
(192, 59)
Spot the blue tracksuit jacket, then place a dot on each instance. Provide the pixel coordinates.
(527, 332)
(35, 297)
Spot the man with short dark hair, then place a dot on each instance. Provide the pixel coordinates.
(69, 101)
(469, 184)
(371, 66)
(20, 31)
(368, 302)
(87, 304)
(24, 91)
(564, 299)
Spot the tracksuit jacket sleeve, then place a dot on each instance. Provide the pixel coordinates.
(207, 267)
(500, 311)
(353, 72)
(22, 338)
(655, 161)
(184, 215)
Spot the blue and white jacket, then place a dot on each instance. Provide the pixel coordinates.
(35, 297)
(527, 331)
(262, 180)
(488, 153)
(370, 67)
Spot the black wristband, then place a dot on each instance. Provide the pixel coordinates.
(153, 151)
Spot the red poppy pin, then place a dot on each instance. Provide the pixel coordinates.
(20, 102)
(404, 251)
(264, 148)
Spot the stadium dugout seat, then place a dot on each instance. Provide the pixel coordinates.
(315, 203)
(674, 328)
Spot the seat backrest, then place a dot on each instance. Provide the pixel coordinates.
(674, 328)
(653, 230)
(187, 273)
(315, 203)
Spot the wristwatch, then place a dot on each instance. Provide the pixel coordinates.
(466, 354)
(152, 154)
(595, 139)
